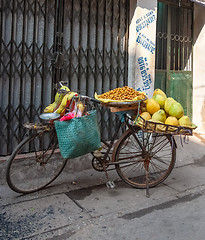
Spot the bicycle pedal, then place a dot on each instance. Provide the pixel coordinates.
(110, 184)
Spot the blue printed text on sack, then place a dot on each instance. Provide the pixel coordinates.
(146, 78)
(145, 21)
(146, 43)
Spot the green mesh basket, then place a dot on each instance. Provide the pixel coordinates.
(78, 136)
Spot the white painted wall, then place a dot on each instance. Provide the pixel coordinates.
(132, 44)
(142, 39)
(199, 68)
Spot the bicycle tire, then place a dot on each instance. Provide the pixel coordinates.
(156, 153)
(35, 163)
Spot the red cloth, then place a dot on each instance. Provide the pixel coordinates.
(68, 116)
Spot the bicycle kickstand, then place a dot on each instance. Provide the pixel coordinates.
(109, 183)
(147, 184)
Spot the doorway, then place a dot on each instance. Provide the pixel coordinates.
(174, 68)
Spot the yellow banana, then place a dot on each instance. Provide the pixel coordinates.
(50, 108)
(59, 96)
(65, 103)
(58, 99)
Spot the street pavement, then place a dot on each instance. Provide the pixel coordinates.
(78, 205)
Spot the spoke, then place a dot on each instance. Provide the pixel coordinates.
(125, 166)
(158, 157)
(133, 169)
(155, 166)
(130, 157)
(160, 148)
(32, 173)
(161, 160)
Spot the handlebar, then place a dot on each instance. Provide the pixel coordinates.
(90, 99)
(81, 96)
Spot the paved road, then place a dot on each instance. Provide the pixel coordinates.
(79, 206)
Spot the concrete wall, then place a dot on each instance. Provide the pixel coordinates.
(199, 68)
(142, 37)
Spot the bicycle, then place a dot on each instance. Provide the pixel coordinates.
(141, 159)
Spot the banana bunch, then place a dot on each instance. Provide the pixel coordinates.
(65, 103)
(58, 99)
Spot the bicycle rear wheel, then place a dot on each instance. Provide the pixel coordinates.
(35, 163)
(144, 158)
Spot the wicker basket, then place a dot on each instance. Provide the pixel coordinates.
(79, 135)
(159, 127)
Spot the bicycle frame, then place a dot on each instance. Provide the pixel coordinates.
(124, 118)
(134, 156)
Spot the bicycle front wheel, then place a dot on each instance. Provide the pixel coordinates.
(145, 159)
(35, 163)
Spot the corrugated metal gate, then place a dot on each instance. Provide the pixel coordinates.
(82, 42)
